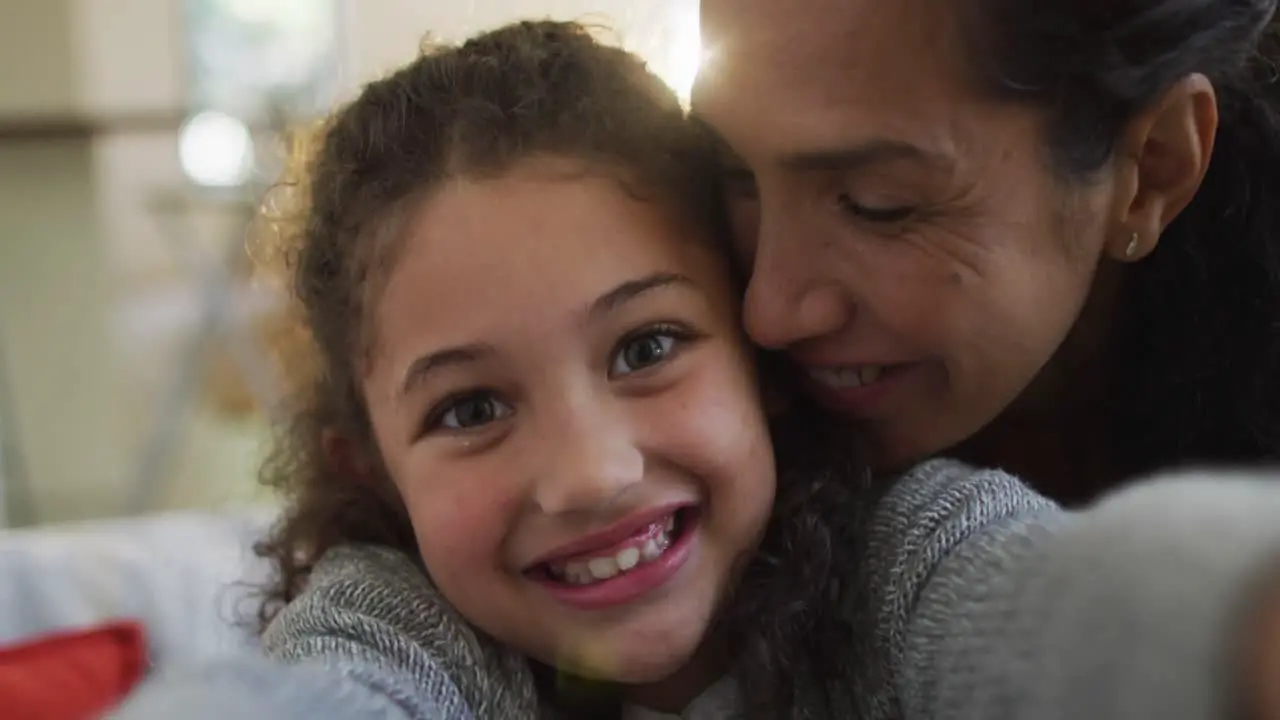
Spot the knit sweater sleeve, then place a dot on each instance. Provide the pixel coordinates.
(368, 639)
(994, 603)
(249, 687)
(371, 611)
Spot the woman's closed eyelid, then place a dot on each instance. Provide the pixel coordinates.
(885, 210)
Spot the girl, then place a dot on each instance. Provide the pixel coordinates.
(533, 476)
(534, 382)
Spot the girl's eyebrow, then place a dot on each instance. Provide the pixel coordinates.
(607, 303)
(420, 368)
(631, 289)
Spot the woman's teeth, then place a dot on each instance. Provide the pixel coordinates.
(586, 571)
(847, 377)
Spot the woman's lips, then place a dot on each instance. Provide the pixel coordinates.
(860, 390)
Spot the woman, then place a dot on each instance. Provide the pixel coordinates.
(500, 435)
(1034, 235)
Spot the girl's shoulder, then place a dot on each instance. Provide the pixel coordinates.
(368, 606)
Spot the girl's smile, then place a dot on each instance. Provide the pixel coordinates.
(563, 398)
(623, 563)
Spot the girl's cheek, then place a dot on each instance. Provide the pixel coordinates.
(458, 525)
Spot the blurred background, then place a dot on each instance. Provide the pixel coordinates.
(136, 137)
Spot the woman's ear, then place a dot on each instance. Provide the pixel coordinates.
(345, 456)
(1165, 153)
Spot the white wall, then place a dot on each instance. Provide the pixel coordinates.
(54, 321)
(385, 34)
(129, 55)
(77, 239)
(37, 68)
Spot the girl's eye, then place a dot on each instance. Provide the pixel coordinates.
(473, 411)
(875, 215)
(644, 350)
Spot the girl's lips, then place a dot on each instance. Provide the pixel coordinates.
(643, 547)
(631, 584)
(601, 542)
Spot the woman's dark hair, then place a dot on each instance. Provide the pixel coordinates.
(474, 111)
(1196, 351)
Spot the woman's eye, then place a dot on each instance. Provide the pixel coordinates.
(473, 411)
(874, 214)
(642, 351)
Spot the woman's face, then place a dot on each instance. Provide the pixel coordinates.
(562, 395)
(907, 242)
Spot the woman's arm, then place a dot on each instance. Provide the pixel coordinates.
(1141, 606)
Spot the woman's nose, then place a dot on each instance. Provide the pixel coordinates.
(790, 295)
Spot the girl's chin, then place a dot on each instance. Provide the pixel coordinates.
(633, 669)
(648, 647)
(651, 673)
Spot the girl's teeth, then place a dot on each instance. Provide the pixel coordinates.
(650, 550)
(603, 568)
(628, 558)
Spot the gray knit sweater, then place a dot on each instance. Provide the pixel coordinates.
(990, 602)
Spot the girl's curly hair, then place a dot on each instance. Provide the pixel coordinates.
(331, 226)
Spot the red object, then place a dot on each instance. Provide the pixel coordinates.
(77, 675)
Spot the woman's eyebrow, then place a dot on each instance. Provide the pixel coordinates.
(865, 154)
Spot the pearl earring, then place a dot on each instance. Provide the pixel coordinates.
(1131, 249)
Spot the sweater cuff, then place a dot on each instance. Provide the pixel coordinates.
(247, 687)
(1138, 607)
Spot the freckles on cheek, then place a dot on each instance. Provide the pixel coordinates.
(715, 420)
(458, 528)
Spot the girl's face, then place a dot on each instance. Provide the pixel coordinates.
(563, 398)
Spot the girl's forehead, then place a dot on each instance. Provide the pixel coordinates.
(537, 229)
(521, 252)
